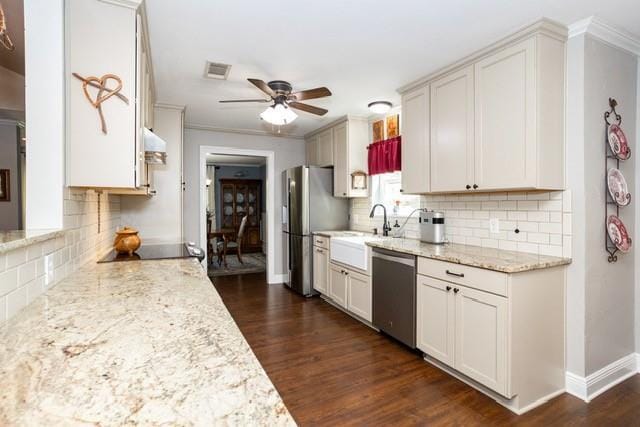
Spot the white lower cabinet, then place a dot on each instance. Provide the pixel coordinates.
(465, 329)
(502, 333)
(320, 269)
(359, 295)
(338, 285)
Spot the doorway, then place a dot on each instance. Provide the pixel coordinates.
(237, 187)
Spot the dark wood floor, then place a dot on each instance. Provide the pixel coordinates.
(332, 370)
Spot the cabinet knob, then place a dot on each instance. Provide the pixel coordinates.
(475, 186)
(456, 290)
(401, 190)
(344, 194)
(468, 187)
(448, 288)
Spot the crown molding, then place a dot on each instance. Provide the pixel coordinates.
(170, 106)
(544, 26)
(254, 132)
(614, 36)
(348, 117)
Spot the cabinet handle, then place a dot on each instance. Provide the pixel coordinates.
(456, 290)
(475, 186)
(319, 250)
(451, 273)
(448, 288)
(468, 187)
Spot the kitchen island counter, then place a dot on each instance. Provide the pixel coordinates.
(132, 343)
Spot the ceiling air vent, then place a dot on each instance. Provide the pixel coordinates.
(215, 70)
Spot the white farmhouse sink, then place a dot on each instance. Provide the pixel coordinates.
(352, 250)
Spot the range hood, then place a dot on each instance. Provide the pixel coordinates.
(155, 148)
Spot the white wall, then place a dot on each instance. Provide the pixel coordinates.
(11, 90)
(288, 153)
(44, 104)
(600, 297)
(159, 218)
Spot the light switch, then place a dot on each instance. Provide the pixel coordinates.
(494, 225)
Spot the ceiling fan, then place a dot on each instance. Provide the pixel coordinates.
(279, 113)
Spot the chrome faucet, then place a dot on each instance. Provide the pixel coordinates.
(385, 225)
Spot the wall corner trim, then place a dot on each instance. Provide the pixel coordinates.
(602, 380)
(607, 33)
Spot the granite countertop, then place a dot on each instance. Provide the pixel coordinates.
(341, 233)
(474, 256)
(132, 343)
(10, 240)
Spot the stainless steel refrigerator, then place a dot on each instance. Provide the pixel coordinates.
(309, 206)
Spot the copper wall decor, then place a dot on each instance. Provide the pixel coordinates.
(103, 93)
(5, 40)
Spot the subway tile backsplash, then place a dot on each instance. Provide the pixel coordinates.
(27, 272)
(542, 219)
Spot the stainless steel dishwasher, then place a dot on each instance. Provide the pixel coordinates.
(394, 295)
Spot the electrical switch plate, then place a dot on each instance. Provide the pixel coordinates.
(494, 225)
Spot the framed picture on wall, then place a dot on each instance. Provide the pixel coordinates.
(5, 186)
(378, 130)
(393, 124)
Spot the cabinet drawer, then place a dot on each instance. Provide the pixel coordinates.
(321, 241)
(477, 278)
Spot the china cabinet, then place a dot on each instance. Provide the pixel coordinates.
(240, 197)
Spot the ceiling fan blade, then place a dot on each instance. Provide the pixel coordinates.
(260, 84)
(308, 108)
(319, 92)
(226, 101)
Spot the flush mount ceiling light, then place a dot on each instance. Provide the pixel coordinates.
(380, 107)
(278, 114)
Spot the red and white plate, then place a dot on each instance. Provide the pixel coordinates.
(618, 187)
(618, 142)
(618, 234)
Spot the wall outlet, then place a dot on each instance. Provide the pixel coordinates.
(494, 225)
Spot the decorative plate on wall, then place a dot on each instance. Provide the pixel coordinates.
(618, 187)
(618, 234)
(618, 142)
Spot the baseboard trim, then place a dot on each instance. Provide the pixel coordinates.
(277, 279)
(604, 379)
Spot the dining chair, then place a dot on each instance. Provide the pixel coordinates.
(235, 243)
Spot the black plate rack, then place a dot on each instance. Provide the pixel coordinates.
(610, 156)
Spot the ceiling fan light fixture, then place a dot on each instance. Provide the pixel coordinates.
(278, 115)
(380, 107)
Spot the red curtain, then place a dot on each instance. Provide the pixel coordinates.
(385, 156)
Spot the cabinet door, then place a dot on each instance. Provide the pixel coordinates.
(325, 148)
(338, 285)
(341, 174)
(312, 151)
(436, 319)
(481, 337)
(452, 132)
(505, 141)
(415, 140)
(320, 270)
(94, 158)
(359, 297)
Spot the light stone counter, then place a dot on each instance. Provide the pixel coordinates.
(132, 343)
(474, 256)
(10, 240)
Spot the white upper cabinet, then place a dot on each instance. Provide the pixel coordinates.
(115, 159)
(325, 148)
(505, 118)
(496, 119)
(312, 151)
(415, 140)
(343, 145)
(452, 144)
